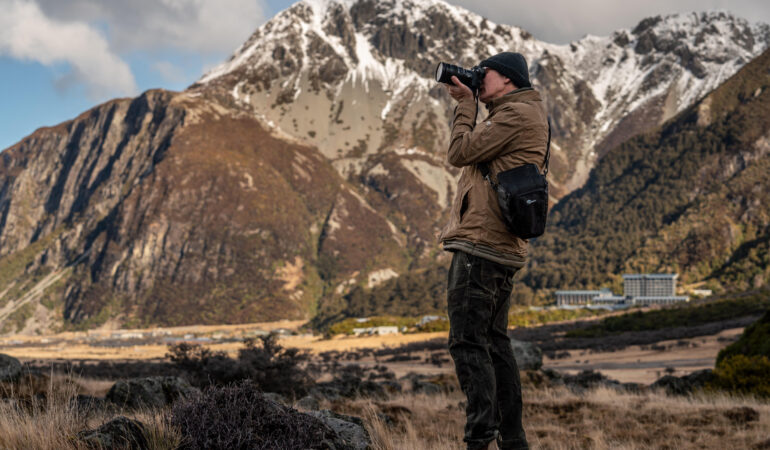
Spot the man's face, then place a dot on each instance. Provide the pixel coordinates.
(494, 85)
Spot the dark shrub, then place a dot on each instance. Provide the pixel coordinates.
(743, 374)
(203, 366)
(241, 417)
(274, 368)
(755, 341)
(269, 365)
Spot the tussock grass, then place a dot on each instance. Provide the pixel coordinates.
(559, 419)
(555, 418)
(45, 417)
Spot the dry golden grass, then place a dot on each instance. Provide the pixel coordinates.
(81, 345)
(555, 418)
(561, 420)
(52, 422)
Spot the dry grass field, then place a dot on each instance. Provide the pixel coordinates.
(601, 419)
(227, 338)
(554, 419)
(645, 364)
(640, 364)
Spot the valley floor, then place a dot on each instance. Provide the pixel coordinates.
(640, 364)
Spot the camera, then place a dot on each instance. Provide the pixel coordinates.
(470, 77)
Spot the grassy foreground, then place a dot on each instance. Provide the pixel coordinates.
(555, 418)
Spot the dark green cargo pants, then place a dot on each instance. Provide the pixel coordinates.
(478, 299)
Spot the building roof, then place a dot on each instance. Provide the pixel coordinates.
(661, 276)
(578, 292)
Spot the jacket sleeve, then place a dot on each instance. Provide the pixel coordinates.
(484, 142)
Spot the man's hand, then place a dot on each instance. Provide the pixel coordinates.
(459, 91)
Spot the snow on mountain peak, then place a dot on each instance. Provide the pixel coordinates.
(600, 90)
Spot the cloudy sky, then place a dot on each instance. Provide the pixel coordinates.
(61, 57)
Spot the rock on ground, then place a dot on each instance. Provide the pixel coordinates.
(528, 356)
(120, 432)
(153, 392)
(350, 429)
(10, 368)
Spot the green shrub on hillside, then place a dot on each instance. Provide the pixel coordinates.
(346, 326)
(441, 324)
(530, 318)
(671, 199)
(755, 341)
(743, 374)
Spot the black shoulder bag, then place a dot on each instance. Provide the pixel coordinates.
(522, 193)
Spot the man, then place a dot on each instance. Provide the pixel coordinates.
(486, 256)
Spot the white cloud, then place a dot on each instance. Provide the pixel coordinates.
(208, 26)
(169, 72)
(562, 21)
(28, 34)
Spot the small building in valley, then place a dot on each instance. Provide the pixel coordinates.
(376, 330)
(638, 289)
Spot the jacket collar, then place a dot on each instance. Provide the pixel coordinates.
(519, 95)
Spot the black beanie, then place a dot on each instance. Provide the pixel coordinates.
(510, 65)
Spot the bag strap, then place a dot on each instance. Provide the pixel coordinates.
(548, 148)
(484, 167)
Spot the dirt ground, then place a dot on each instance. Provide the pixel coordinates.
(641, 364)
(645, 364)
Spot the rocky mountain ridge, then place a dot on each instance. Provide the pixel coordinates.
(689, 197)
(370, 66)
(162, 209)
(308, 166)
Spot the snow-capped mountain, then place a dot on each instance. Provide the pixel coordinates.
(355, 78)
(310, 166)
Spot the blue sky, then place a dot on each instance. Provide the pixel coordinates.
(59, 58)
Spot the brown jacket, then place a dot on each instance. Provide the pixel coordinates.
(515, 133)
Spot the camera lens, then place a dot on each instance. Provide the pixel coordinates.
(439, 71)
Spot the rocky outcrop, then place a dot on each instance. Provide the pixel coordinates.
(150, 392)
(381, 56)
(350, 430)
(242, 417)
(10, 368)
(163, 208)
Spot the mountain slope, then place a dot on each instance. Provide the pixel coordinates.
(172, 209)
(690, 197)
(355, 78)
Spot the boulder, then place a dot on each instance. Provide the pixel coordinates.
(350, 430)
(241, 416)
(278, 398)
(120, 432)
(10, 368)
(308, 403)
(528, 356)
(153, 392)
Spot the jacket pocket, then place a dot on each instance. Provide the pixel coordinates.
(464, 205)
